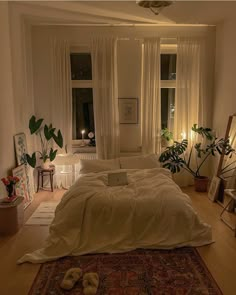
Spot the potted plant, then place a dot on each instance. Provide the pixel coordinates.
(166, 137)
(178, 156)
(48, 135)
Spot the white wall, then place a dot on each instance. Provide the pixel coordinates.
(129, 63)
(225, 75)
(20, 33)
(7, 118)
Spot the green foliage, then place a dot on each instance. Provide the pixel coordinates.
(166, 134)
(47, 135)
(207, 132)
(31, 160)
(34, 125)
(176, 157)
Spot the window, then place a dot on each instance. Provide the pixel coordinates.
(168, 85)
(81, 66)
(82, 94)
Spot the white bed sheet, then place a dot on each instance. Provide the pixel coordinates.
(150, 212)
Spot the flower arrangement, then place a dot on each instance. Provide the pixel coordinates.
(9, 183)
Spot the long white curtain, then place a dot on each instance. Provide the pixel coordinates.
(62, 93)
(190, 89)
(105, 97)
(151, 99)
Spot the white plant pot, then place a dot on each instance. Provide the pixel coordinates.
(46, 165)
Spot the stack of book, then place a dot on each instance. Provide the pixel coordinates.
(8, 201)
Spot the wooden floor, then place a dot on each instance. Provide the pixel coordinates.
(220, 257)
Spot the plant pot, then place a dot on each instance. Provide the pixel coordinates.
(46, 164)
(201, 183)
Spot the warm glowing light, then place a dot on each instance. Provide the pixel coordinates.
(183, 135)
(82, 132)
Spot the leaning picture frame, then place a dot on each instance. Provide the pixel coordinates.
(128, 110)
(21, 151)
(20, 148)
(214, 188)
(21, 187)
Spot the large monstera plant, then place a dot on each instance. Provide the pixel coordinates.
(47, 135)
(178, 156)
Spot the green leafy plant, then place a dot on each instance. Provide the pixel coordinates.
(166, 134)
(176, 156)
(47, 135)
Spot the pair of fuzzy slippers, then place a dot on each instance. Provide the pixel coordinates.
(90, 280)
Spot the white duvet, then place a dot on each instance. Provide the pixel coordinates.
(150, 212)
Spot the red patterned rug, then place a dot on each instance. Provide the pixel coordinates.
(140, 272)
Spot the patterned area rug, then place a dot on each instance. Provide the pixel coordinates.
(139, 272)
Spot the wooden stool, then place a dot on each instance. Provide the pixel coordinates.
(45, 172)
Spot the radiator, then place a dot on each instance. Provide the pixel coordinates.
(86, 156)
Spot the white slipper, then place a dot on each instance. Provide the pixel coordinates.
(70, 278)
(90, 283)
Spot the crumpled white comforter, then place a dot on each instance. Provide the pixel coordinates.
(150, 212)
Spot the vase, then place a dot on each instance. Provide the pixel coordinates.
(10, 190)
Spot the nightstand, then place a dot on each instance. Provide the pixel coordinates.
(11, 216)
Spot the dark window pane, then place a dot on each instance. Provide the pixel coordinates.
(81, 66)
(168, 66)
(167, 108)
(82, 107)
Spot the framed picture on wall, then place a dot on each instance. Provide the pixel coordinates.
(214, 188)
(128, 110)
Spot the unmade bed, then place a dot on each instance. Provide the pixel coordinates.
(150, 211)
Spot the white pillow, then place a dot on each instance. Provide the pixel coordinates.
(140, 162)
(88, 166)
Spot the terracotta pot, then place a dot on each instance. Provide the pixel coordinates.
(201, 183)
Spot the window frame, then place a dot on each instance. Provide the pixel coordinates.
(79, 84)
(168, 49)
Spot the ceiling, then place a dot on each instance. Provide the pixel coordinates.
(128, 12)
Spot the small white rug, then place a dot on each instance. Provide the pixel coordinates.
(43, 215)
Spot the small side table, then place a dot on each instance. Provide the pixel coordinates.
(45, 172)
(232, 194)
(11, 217)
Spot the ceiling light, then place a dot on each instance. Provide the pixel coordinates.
(154, 6)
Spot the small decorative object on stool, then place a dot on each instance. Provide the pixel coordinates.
(9, 183)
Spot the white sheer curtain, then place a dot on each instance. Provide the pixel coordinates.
(190, 94)
(62, 93)
(105, 97)
(151, 100)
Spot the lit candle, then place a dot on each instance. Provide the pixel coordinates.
(183, 135)
(83, 131)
